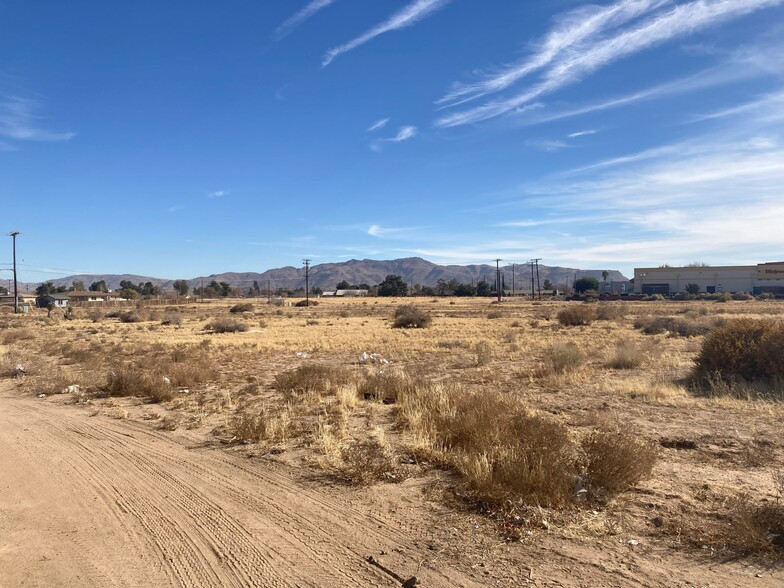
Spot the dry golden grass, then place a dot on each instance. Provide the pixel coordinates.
(518, 406)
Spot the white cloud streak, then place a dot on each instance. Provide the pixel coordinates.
(574, 28)
(292, 23)
(582, 133)
(19, 122)
(383, 232)
(218, 194)
(403, 134)
(379, 124)
(407, 16)
(573, 65)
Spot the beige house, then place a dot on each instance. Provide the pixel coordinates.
(89, 297)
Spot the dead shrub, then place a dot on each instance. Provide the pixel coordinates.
(242, 307)
(670, 325)
(188, 365)
(311, 379)
(408, 316)
(495, 314)
(264, 424)
(226, 325)
(616, 460)
(11, 336)
(755, 527)
(483, 352)
(627, 356)
(562, 358)
(171, 318)
(130, 381)
(576, 315)
(743, 351)
(307, 303)
(608, 311)
(367, 461)
(503, 451)
(384, 386)
(130, 317)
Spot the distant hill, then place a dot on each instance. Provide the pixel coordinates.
(414, 270)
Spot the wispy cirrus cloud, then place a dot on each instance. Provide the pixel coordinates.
(385, 232)
(572, 30)
(293, 22)
(218, 194)
(379, 124)
(549, 145)
(19, 121)
(405, 17)
(596, 50)
(582, 133)
(770, 106)
(404, 134)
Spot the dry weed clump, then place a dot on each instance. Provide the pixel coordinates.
(608, 311)
(188, 365)
(507, 453)
(241, 307)
(11, 336)
(226, 325)
(563, 358)
(131, 381)
(408, 316)
(617, 460)
(384, 386)
(131, 316)
(311, 380)
(627, 356)
(262, 425)
(744, 353)
(367, 461)
(684, 326)
(576, 315)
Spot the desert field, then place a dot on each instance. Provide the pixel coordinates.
(239, 443)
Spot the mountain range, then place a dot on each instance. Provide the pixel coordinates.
(414, 270)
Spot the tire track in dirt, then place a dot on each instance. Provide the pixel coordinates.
(201, 517)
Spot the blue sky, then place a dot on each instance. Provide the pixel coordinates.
(182, 138)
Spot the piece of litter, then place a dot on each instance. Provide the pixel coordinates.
(301, 354)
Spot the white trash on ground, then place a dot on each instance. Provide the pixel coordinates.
(366, 357)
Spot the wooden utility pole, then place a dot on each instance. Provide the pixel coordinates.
(307, 281)
(16, 292)
(498, 279)
(538, 288)
(513, 279)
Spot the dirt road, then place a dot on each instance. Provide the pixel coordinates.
(92, 501)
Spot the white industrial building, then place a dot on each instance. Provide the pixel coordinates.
(756, 279)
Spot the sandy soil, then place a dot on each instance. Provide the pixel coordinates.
(91, 501)
(95, 501)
